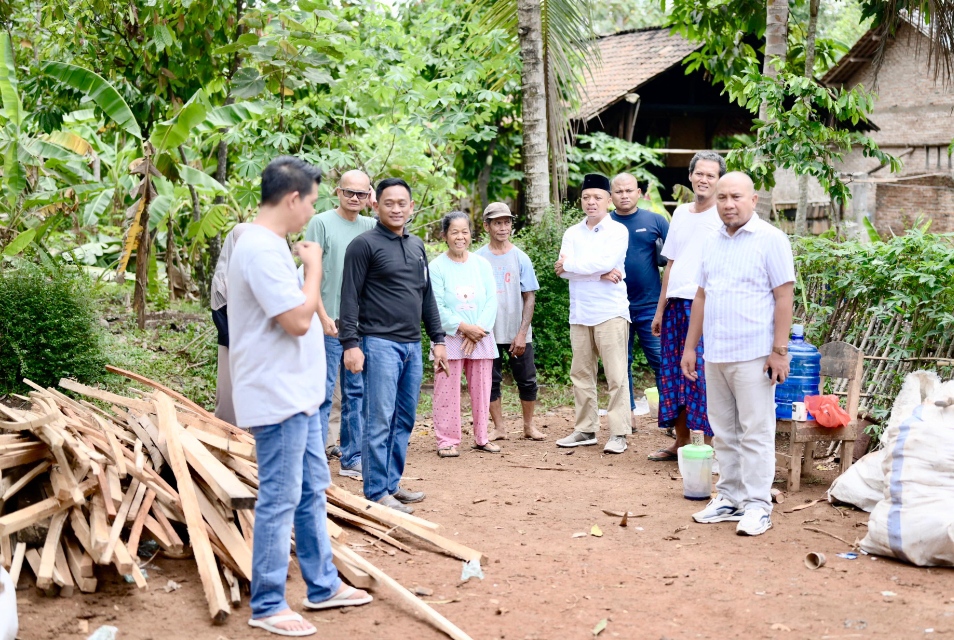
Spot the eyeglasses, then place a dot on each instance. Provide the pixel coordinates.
(351, 193)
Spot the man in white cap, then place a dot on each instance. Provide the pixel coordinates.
(516, 296)
(592, 258)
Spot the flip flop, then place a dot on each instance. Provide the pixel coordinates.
(268, 624)
(667, 456)
(342, 599)
(448, 452)
(490, 447)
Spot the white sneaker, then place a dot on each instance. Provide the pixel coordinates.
(577, 439)
(719, 509)
(755, 522)
(616, 444)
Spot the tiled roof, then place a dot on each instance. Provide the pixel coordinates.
(629, 60)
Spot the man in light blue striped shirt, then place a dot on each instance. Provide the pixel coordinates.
(744, 308)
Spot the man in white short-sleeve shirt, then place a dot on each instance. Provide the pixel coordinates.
(277, 366)
(744, 307)
(682, 402)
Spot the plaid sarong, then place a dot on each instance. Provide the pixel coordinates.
(677, 390)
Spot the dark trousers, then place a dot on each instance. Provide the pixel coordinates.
(524, 372)
(641, 327)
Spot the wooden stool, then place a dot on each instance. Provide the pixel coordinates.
(839, 360)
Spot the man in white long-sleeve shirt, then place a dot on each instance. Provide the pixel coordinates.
(592, 259)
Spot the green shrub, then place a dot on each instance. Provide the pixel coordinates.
(48, 329)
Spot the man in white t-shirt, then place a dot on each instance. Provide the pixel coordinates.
(682, 402)
(277, 364)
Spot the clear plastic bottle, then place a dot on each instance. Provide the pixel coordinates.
(804, 374)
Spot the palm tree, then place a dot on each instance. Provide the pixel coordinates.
(776, 39)
(801, 213)
(556, 48)
(937, 23)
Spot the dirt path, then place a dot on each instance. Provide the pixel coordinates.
(660, 577)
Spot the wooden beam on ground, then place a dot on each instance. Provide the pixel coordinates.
(98, 526)
(419, 606)
(61, 573)
(18, 554)
(231, 446)
(44, 577)
(13, 522)
(368, 509)
(351, 574)
(205, 559)
(235, 594)
(81, 566)
(226, 486)
(25, 456)
(105, 396)
(135, 487)
(229, 536)
(369, 527)
(135, 531)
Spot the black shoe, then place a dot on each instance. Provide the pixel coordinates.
(334, 452)
(408, 497)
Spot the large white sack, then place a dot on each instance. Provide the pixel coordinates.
(8, 607)
(915, 520)
(863, 484)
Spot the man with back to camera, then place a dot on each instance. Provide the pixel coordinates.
(278, 370)
(744, 307)
(334, 230)
(516, 297)
(642, 272)
(592, 258)
(386, 292)
(682, 402)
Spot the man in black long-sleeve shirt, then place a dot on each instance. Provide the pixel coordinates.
(385, 293)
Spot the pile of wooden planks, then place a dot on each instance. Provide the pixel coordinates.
(83, 483)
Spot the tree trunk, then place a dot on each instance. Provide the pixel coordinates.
(801, 213)
(142, 253)
(535, 157)
(776, 47)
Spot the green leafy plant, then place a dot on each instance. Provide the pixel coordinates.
(48, 328)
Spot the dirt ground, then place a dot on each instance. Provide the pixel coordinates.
(661, 577)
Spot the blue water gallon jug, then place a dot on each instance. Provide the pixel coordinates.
(804, 374)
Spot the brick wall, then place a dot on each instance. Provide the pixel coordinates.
(899, 204)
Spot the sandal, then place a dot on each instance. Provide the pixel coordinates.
(663, 455)
(268, 624)
(490, 447)
(342, 599)
(448, 452)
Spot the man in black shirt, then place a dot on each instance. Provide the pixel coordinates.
(385, 293)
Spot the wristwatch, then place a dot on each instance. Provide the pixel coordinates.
(782, 351)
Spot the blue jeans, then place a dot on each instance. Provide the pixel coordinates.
(292, 477)
(352, 392)
(392, 377)
(641, 325)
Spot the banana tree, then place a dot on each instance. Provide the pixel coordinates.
(157, 160)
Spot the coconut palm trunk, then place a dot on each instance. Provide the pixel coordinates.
(801, 213)
(535, 157)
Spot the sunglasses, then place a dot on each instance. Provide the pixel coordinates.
(351, 193)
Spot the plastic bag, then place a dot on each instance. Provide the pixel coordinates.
(827, 412)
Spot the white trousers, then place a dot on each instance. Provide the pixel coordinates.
(741, 406)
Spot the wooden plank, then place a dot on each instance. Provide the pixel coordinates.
(246, 519)
(124, 562)
(229, 536)
(429, 614)
(205, 559)
(159, 513)
(61, 573)
(81, 563)
(135, 487)
(161, 536)
(235, 595)
(18, 554)
(98, 526)
(371, 528)
(115, 486)
(81, 566)
(105, 396)
(231, 446)
(132, 543)
(114, 445)
(105, 491)
(6, 552)
(27, 456)
(13, 522)
(368, 509)
(351, 574)
(179, 397)
(25, 480)
(136, 504)
(245, 470)
(228, 488)
(44, 577)
(154, 454)
(80, 527)
(33, 559)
